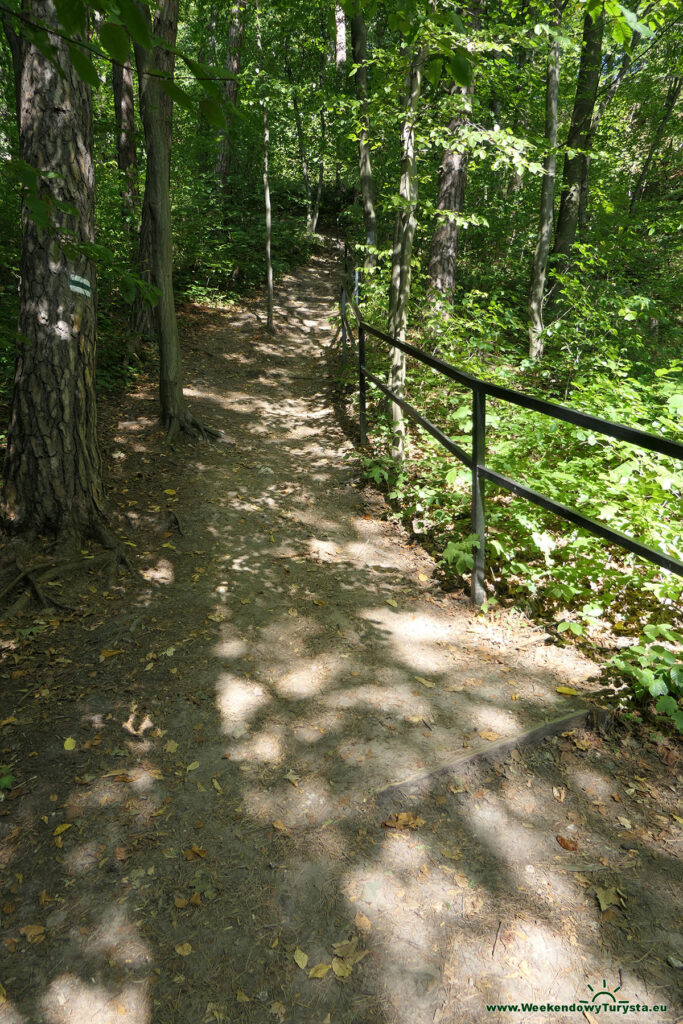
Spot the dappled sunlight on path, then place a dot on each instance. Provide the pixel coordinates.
(264, 726)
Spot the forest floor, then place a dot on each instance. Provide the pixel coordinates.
(240, 793)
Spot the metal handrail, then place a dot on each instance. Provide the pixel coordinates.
(477, 461)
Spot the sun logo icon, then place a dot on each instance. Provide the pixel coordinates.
(603, 993)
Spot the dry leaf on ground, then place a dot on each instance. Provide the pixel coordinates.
(567, 844)
(301, 958)
(405, 819)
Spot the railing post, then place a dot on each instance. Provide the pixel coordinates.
(343, 324)
(361, 383)
(478, 590)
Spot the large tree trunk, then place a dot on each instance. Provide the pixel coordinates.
(233, 59)
(156, 110)
(545, 217)
(404, 235)
(359, 46)
(579, 132)
(52, 469)
(126, 157)
(450, 200)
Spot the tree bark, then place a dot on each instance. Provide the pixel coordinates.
(145, 321)
(579, 133)
(270, 327)
(359, 46)
(156, 111)
(126, 157)
(450, 200)
(52, 467)
(340, 36)
(545, 217)
(233, 59)
(298, 124)
(404, 235)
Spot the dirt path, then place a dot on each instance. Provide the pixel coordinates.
(200, 753)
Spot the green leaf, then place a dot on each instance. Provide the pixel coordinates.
(84, 67)
(115, 41)
(667, 705)
(39, 210)
(71, 15)
(177, 94)
(213, 112)
(28, 176)
(460, 68)
(137, 24)
(433, 72)
(657, 687)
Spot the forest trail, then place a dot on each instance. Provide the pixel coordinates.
(237, 712)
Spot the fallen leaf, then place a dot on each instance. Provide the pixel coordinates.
(184, 949)
(216, 785)
(70, 743)
(170, 490)
(301, 958)
(33, 933)
(108, 653)
(607, 898)
(559, 792)
(567, 844)
(61, 828)
(568, 691)
(319, 971)
(279, 825)
(194, 853)
(422, 578)
(625, 822)
(171, 746)
(489, 734)
(405, 819)
(362, 922)
(391, 601)
(196, 900)
(293, 778)
(180, 902)
(192, 767)
(278, 1010)
(425, 682)
(341, 968)
(242, 997)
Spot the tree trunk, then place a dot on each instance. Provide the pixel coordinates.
(451, 197)
(232, 66)
(145, 322)
(404, 235)
(545, 217)
(579, 132)
(52, 468)
(156, 110)
(302, 157)
(673, 93)
(126, 156)
(321, 172)
(359, 46)
(340, 35)
(270, 327)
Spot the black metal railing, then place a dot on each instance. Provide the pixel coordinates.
(477, 460)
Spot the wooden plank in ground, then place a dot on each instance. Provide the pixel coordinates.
(575, 719)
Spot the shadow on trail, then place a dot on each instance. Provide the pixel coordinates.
(226, 828)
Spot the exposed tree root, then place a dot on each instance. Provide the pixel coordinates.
(185, 423)
(36, 576)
